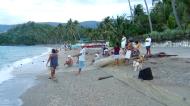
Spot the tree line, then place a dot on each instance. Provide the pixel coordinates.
(167, 20)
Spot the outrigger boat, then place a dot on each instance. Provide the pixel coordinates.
(93, 44)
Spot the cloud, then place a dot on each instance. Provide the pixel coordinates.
(19, 11)
(8, 18)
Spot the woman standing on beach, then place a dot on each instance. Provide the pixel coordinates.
(53, 59)
(148, 45)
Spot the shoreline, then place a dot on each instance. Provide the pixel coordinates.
(27, 74)
(15, 64)
(170, 85)
(23, 72)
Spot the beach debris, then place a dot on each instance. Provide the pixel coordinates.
(104, 62)
(105, 77)
(153, 62)
(187, 62)
(55, 80)
(145, 74)
(184, 98)
(160, 54)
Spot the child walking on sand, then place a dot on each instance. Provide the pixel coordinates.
(128, 52)
(53, 59)
(116, 53)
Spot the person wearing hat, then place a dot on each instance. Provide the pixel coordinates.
(69, 61)
(95, 58)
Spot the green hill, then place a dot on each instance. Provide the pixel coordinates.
(28, 33)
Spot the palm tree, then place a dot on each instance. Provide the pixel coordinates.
(60, 32)
(119, 24)
(76, 27)
(149, 18)
(175, 13)
(131, 11)
(107, 28)
(71, 30)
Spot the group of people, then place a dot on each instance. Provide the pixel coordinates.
(67, 46)
(53, 60)
(129, 49)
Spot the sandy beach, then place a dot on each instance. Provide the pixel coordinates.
(170, 87)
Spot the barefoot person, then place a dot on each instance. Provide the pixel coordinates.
(53, 59)
(81, 59)
(116, 53)
(148, 45)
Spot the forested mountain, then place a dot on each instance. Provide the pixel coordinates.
(51, 23)
(89, 24)
(28, 33)
(167, 20)
(42, 33)
(4, 28)
(85, 24)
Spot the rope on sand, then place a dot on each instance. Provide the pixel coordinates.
(105, 77)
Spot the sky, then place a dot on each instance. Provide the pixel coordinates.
(21, 11)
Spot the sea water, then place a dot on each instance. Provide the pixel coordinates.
(13, 79)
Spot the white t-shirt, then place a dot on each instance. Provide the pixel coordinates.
(123, 42)
(82, 57)
(148, 42)
(97, 57)
(128, 54)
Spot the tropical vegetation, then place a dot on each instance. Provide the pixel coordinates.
(167, 20)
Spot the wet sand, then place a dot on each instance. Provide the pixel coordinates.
(170, 87)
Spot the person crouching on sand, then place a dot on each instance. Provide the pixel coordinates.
(69, 61)
(53, 59)
(95, 58)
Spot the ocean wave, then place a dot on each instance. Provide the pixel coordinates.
(7, 69)
(5, 75)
